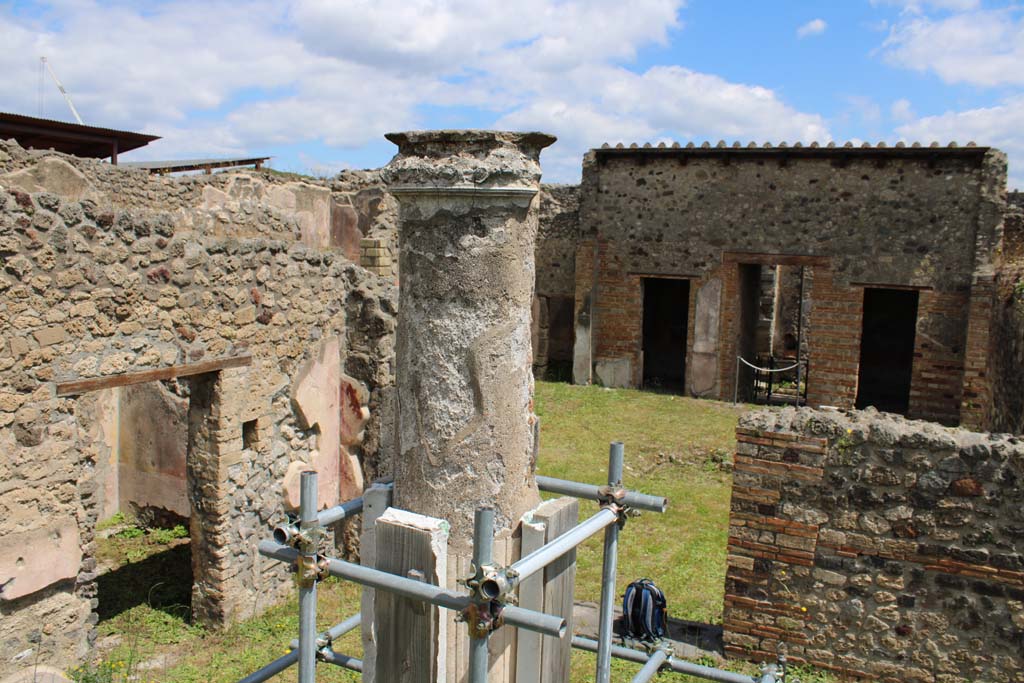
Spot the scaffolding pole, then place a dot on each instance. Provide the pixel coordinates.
(489, 603)
(308, 539)
(609, 567)
(677, 665)
(480, 627)
(651, 668)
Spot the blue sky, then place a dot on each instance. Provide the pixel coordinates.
(317, 83)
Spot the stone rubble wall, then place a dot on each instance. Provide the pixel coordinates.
(877, 547)
(557, 238)
(136, 272)
(1007, 352)
(321, 213)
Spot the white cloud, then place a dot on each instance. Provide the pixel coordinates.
(862, 110)
(613, 104)
(1000, 126)
(813, 27)
(901, 110)
(920, 6)
(979, 47)
(222, 77)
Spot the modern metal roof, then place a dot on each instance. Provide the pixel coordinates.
(782, 149)
(70, 138)
(178, 165)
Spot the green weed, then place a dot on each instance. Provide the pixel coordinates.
(165, 536)
(131, 532)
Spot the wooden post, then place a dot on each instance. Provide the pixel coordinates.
(411, 635)
(376, 500)
(543, 659)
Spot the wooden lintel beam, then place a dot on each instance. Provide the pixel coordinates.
(80, 386)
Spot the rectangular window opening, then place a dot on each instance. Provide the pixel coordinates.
(249, 435)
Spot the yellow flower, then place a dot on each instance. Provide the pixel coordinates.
(803, 609)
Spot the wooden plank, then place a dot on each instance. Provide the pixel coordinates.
(376, 500)
(531, 596)
(559, 516)
(80, 386)
(411, 638)
(458, 637)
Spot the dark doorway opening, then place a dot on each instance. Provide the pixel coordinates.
(666, 314)
(887, 349)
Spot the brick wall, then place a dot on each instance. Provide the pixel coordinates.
(937, 375)
(976, 404)
(887, 218)
(375, 256)
(877, 547)
(618, 322)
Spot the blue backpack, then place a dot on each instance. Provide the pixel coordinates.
(644, 613)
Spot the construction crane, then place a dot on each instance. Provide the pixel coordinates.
(44, 64)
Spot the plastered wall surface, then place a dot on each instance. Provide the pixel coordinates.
(91, 289)
(877, 546)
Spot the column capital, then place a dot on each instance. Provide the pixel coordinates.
(470, 163)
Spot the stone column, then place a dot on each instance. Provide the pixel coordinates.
(467, 228)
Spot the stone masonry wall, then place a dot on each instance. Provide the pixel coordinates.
(1007, 367)
(89, 288)
(557, 239)
(877, 547)
(333, 213)
(890, 218)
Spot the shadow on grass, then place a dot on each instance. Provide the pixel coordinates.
(163, 581)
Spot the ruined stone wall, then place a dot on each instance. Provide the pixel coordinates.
(93, 289)
(877, 547)
(1007, 367)
(557, 240)
(897, 218)
(335, 213)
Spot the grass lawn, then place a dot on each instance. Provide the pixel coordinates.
(674, 447)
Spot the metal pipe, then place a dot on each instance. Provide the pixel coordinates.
(608, 570)
(286, 532)
(334, 632)
(652, 667)
(272, 669)
(338, 630)
(632, 499)
(677, 665)
(483, 555)
(545, 624)
(329, 656)
(340, 512)
(736, 383)
(546, 554)
(307, 585)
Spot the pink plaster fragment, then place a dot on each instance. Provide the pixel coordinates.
(316, 402)
(354, 414)
(324, 397)
(35, 559)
